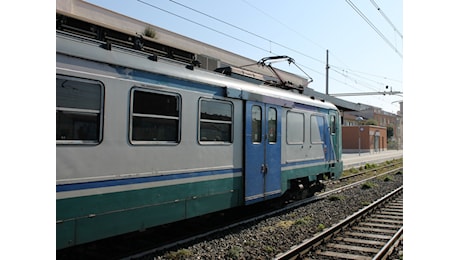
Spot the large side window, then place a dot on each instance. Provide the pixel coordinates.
(216, 119)
(318, 124)
(154, 117)
(78, 110)
(295, 128)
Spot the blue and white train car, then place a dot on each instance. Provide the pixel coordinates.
(142, 142)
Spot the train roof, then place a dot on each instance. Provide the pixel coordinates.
(94, 21)
(91, 49)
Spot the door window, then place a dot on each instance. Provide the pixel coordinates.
(272, 123)
(256, 124)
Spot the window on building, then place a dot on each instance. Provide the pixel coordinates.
(155, 117)
(216, 120)
(78, 110)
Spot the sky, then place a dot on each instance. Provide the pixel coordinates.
(364, 38)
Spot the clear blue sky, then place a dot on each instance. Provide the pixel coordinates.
(361, 59)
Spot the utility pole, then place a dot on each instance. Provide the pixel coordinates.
(327, 72)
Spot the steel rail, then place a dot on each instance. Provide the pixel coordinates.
(343, 178)
(389, 246)
(297, 251)
(288, 207)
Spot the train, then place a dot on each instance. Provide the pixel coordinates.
(144, 140)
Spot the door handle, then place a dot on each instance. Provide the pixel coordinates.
(264, 169)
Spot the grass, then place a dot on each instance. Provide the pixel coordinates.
(320, 227)
(365, 203)
(234, 252)
(149, 32)
(285, 224)
(367, 185)
(388, 178)
(181, 254)
(269, 249)
(303, 221)
(336, 197)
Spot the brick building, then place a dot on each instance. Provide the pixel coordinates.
(364, 138)
(376, 124)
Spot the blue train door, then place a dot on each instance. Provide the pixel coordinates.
(262, 152)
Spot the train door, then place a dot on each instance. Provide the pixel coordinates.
(335, 130)
(262, 151)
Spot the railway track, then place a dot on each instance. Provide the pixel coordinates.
(141, 254)
(372, 169)
(261, 216)
(371, 233)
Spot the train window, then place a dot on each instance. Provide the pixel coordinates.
(317, 129)
(295, 128)
(272, 123)
(78, 110)
(333, 124)
(256, 124)
(154, 117)
(216, 118)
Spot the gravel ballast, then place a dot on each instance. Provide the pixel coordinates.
(269, 237)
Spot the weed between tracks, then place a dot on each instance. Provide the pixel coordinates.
(378, 167)
(179, 254)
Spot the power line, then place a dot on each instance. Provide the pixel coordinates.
(373, 26)
(283, 24)
(248, 43)
(202, 25)
(366, 73)
(246, 31)
(386, 18)
(228, 35)
(344, 74)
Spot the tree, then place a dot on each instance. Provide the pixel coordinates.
(370, 122)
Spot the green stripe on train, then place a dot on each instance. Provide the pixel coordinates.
(309, 172)
(85, 219)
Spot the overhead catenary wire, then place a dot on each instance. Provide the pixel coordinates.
(386, 18)
(291, 29)
(373, 26)
(228, 35)
(365, 73)
(202, 25)
(246, 31)
(283, 24)
(254, 34)
(240, 40)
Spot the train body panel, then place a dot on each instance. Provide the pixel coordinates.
(142, 143)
